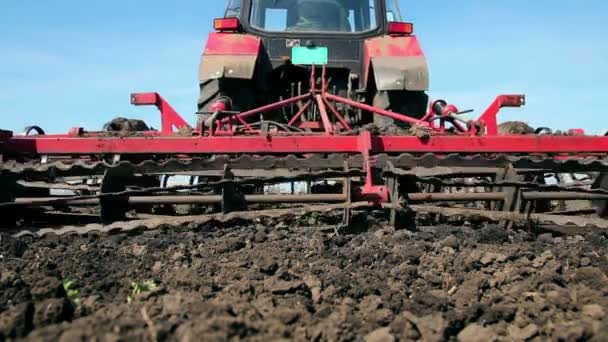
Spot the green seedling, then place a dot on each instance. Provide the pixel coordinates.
(137, 288)
(69, 286)
(309, 219)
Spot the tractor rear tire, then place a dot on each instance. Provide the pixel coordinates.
(515, 128)
(239, 91)
(125, 125)
(411, 103)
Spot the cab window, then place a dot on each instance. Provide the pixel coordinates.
(314, 15)
(393, 13)
(233, 8)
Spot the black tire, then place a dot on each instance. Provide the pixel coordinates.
(515, 128)
(121, 124)
(239, 91)
(410, 103)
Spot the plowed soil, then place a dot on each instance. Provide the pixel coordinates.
(272, 280)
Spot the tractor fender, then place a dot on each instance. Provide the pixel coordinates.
(229, 55)
(395, 63)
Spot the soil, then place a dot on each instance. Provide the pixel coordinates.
(272, 280)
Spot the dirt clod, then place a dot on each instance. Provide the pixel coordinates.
(522, 334)
(477, 333)
(380, 335)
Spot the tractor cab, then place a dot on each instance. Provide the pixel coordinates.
(315, 16)
(263, 51)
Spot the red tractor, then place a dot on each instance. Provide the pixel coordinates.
(262, 50)
(329, 93)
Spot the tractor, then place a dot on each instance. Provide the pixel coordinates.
(260, 51)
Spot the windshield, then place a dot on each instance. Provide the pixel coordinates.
(314, 15)
(392, 11)
(233, 8)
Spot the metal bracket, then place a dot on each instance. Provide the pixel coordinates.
(393, 190)
(513, 201)
(115, 208)
(8, 184)
(347, 191)
(399, 187)
(233, 198)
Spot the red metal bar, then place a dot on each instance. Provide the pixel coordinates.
(429, 115)
(299, 114)
(392, 115)
(245, 124)
(458, 126)
(63, 145)
(311, 125)
(489, 117)
(271, 106)
(327, 125)
(365, 144)
(337, 115)
(369, 192)
(169, 117)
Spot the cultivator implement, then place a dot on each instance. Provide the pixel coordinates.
(438, 165)
(332, 113)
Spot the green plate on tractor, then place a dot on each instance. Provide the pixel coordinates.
(309, 55)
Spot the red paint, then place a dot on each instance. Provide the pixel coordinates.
(327, 125)
(376, 111)
(299, 114)
(370, 192)
(270, 107)
(63, 144)
(576, 131)
(342, 121)
(232, 44)
(389, 46)
(399, 28)
(312, 125)
(219, 106)
(489, 117)
(170, 119)
(227, 24)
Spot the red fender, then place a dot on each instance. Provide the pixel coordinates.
(398, 63)
(229, 55)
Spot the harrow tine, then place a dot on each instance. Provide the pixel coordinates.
(115, 207)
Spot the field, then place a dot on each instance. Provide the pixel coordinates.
(294, 278)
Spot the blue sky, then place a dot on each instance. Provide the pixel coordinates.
(67, 63)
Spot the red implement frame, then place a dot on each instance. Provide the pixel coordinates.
(477, 137)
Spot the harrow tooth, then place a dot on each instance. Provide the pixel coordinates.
(233, 198)
(113, 206)
(8, 193)
(601, 184)
(347, 192)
